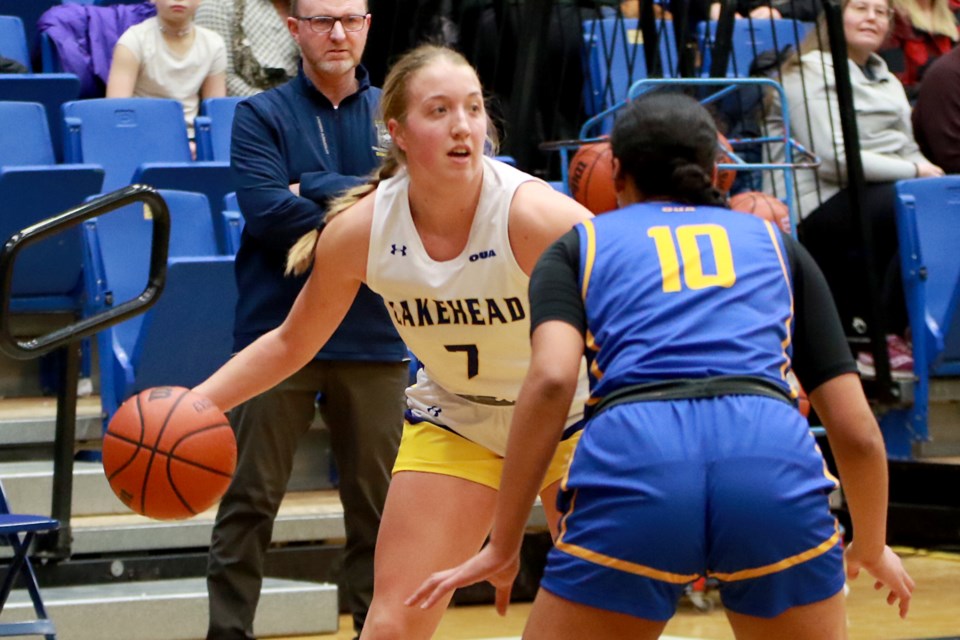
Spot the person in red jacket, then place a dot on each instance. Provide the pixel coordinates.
(922, 31)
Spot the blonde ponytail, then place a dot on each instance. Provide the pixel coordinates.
(300, 256)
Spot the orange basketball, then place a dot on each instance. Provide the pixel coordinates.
(591, 177)
(725, 177)
(169, 453)
(763, 205)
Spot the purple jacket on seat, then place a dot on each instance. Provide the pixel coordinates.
(85, 35)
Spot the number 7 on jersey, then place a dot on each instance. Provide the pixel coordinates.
(473, 356)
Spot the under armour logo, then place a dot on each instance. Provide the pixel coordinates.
(402, 250)
(434, 411)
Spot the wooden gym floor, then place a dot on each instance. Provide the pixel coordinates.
(935, 611)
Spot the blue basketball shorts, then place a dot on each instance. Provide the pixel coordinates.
(659, 494)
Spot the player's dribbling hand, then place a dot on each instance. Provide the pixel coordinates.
(500, 570)
(888, 571)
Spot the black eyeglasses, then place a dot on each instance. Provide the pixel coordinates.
(324, 24)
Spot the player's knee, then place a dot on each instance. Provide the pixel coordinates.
(384, 623)
(381, 628)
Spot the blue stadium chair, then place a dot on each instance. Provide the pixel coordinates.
(927, 213)
(25, 134)
(17, 531)
(230, 202)
(29, 11)
(751, 38)
(47, 277)
(214, 126)
(613, 59)
(232, 221)
(142, 140)
(49, 55)
(13, 40)
(188, 334)
(123, 133)
(49, 89)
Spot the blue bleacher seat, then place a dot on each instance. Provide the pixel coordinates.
(232, 223)
(927, 212)
(214, 126)
(230, 202)
(17, 530)
(49, 89)
(32, 188)
(750, 38)
(122, 133)
(142, 140)
(28, 11)
(49, 55)
(47, 275)
(614, 59)
(25, 134)
(13, 40)
(189, 332)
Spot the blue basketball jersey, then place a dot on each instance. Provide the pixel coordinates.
(708, 293)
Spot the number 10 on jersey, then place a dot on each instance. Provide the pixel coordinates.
(689, 258)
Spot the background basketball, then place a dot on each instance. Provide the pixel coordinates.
(763, 205)
(591, 177)
(725, 177)
(169, 453)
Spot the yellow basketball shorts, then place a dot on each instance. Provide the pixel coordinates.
(431, 449)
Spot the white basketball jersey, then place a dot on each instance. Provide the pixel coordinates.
(466, 319)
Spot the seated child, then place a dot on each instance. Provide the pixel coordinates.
(168, 56)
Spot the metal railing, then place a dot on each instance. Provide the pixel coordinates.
(67, 339)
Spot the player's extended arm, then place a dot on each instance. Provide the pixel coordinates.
(861, 458)
(338, 269)
(535, 430)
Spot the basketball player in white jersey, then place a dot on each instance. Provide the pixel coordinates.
(448, 238)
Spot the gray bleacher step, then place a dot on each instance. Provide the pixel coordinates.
(314, 516)
(303, 517)
(943, 421)
(28, 421)
(29, 487)
(175, 610)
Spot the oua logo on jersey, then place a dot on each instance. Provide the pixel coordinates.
(425, 312)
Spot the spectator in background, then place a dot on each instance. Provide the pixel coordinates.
(888, 152)
(293, 148)
(261, 54)
(922, 31)
(168, 56)
(936, 115)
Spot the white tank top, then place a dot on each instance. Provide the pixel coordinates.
(467, 319)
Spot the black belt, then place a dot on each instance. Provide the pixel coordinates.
(692, 388)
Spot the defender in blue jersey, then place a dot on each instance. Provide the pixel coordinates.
(694, 460)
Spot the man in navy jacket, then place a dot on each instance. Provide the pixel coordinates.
(293, 149)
